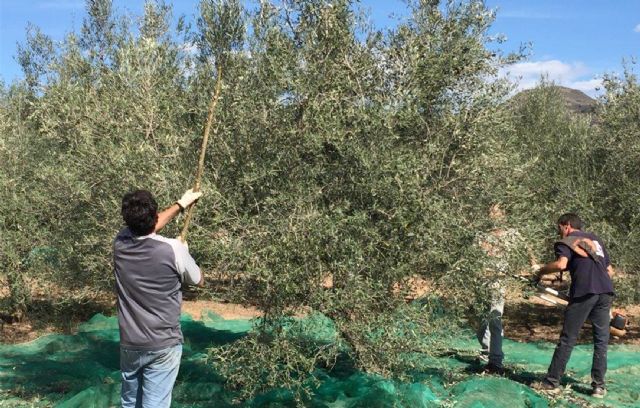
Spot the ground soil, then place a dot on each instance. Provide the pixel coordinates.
(529, 320)
(525, 320)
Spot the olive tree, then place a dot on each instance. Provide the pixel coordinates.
(354, 168)
(618, 159)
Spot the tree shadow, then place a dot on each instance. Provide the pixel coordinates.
(199, 336)
(56, 366)
(525, 377)
(530, 322)
(46, 315)
(582, 389)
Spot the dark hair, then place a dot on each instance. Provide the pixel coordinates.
(140, 212)
(571, 219)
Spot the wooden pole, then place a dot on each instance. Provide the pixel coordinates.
(203, 151)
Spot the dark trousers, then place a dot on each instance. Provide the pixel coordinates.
(595, 308)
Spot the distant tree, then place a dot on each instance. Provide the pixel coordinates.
(619, 159)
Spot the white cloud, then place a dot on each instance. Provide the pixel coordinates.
(572, 75)
(553, 68)
(590, 86)
(637, 28)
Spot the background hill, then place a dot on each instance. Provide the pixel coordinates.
(574, 100)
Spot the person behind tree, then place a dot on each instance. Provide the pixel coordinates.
(490, 332)
(499, 244)
(591, 293)
(149, 271)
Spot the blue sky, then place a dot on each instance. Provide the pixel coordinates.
(574, 42)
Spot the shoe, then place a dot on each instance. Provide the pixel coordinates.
(493, 369)
(598, 392)
(546, 387)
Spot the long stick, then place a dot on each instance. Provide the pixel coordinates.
(545, 289)
(203, 150)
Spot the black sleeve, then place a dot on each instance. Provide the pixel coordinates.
(561, 249)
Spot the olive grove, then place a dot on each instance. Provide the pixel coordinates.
(346, 163)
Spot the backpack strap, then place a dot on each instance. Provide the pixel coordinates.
(583, 247)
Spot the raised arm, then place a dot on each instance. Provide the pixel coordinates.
(167, 215)
(188, 198)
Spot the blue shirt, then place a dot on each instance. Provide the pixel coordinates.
(588, 277)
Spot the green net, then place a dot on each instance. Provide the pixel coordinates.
(82, 371)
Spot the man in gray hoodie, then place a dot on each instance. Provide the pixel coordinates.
(150, 270)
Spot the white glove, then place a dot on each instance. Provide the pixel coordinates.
(535, 268)
(188, 198)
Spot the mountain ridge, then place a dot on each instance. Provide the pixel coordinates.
(575, 100)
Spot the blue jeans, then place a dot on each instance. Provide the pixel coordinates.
(148, 376)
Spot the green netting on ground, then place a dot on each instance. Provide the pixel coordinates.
(82, 371)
